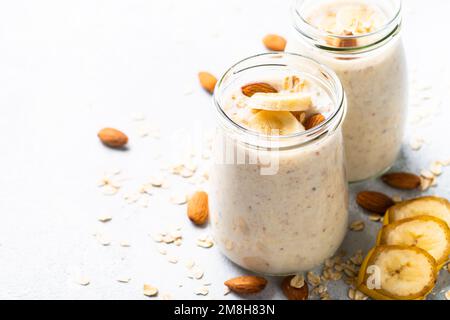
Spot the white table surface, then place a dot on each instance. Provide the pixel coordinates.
(69, 68)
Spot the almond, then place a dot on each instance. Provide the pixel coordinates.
(402, 180)
(314, 121)
(343, 42)
(293, 293)
(112, 137)
(274, 42)
(374, 201)
(246, 284)
(207, 81)
(252, 88)
(197, 208)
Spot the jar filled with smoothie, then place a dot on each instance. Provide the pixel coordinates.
(278, 198)
(360, 40)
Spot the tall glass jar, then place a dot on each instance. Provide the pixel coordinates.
(373, 71)
(279, 204)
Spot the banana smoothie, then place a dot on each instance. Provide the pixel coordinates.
(360, 40)
(278, 197)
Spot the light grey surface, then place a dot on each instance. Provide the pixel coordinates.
(69, 68)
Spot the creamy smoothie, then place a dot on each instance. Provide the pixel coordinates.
(293, 217)
(359, 40)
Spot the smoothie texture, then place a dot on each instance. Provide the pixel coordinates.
(374, 77)
(291, 219)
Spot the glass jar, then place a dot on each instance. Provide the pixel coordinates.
(372, 68)
(279, 204)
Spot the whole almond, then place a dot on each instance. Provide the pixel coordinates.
(293, 293)
(246, 284)
(314, 121)
(197, 208)
(252, 88)
(274, 42)
(112, 137)
(374, 201)
(207, 81)
(402, 180)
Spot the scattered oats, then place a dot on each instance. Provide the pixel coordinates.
(203, 291)
(146, 189)
(179, 199)
(158, 238)
(156, 181)
(226, 291)
(124, 279)
(102, 239)
(198, 274)
(427, 174)
(320, 289)
(180, 285)
(436, 169)
(313, 278)
(131, 198)
(360, 296)
(416, 144)
(162, 251)
(425, 183)
(143, 131)
(125, 244)
(357, 225)
(351, 293)
(104, 218)
(167, 239)
(298, 281)
(176, 169)
(137, 116)
(375, 217)
(191, 166)
(447, 295)
(178, 242)
(397, 198)
(150, 291)
(205, 242)
(357, 258)
(172, 259)
(185, 173)
(189, 264)
(83, 281)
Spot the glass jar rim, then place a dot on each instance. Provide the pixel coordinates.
(312, 32)
(308, 135)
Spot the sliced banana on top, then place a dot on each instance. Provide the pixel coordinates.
(275, 123)
(283, 101)
(429, 206)
(359, 19)
(397, 272)
(425, 232)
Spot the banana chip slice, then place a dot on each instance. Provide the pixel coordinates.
(428, 206)
(397, 273)
(425, 232)
(275, 123)
(290, 101)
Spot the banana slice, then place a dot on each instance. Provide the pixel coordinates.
(275, 123)
(397, 273)
(425, 232)
(355, 18)
(285, 101)
(424, 206)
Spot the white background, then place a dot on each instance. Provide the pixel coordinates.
(69, 68)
